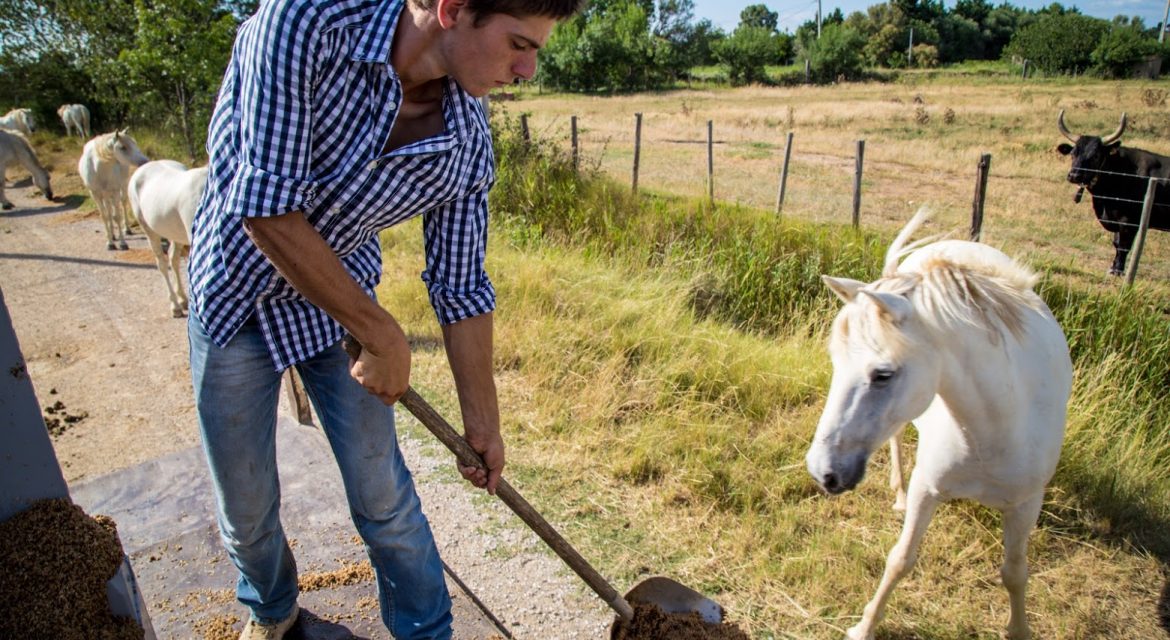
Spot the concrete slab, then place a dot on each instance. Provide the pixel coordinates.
(164, 509)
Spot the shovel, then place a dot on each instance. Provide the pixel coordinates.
(667, 594)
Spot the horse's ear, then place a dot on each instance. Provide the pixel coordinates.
(892, 305)
(845, 288)
(124, 131)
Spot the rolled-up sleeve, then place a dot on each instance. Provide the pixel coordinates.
(455, 235)
(275, 55)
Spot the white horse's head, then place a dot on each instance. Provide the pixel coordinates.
(123, 148)
(885, 374)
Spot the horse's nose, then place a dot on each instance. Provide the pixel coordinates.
(831, 483)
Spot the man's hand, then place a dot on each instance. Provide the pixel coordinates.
(383, 368)
(491, 448)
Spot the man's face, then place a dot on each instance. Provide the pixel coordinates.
(497, 52)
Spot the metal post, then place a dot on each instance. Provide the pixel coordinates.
(910, 50)
(1162, 30)
(857, 184)
(980, 196)
(784, 174)
(637, 146)
(576, 157)
(710, 162)
(818, 19)
(1135, 253)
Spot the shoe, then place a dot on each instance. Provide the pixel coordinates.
(254, 630)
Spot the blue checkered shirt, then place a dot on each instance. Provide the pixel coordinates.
(303, 116)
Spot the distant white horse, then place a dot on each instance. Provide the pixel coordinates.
(14, 148)
(956, 341)
(105, 166)
(75, 117)
(19, 120)
(163, 195)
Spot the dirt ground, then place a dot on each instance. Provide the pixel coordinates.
(109, 367)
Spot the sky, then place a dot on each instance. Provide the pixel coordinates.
(793, 13)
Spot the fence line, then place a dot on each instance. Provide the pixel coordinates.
(977, 202)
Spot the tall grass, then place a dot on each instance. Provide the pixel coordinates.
(661, 366)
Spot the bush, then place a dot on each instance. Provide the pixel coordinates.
(1059, 43)
(836, 53)
(746, 51)
(1121, 49)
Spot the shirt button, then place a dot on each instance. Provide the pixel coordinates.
(392, 106)
(336, 210)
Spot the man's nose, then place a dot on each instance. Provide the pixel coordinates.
(525, 67)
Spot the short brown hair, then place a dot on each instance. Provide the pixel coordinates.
(556, 9)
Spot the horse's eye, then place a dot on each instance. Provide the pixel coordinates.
(879, 377)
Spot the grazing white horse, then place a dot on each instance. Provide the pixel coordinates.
(19, 120)
(14, 148)
(105, 165)
(163, 195)
(75, 117)
(955, 340)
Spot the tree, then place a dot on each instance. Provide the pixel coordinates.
(182, 49)
(745, 52)
(1123, 47)
(610, 48)
(836, 53)
(758, 15)
(1059, 42)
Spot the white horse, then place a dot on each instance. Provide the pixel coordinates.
(105, 165)
(75, 117)
(956, 341)
(15, 148)
(163, 195)
(19, 120)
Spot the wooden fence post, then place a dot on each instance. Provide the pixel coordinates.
(1024, 73)
(980, 196)
(784, 174)
(524, 128)
(857, 184)
(576, 157)
(710, 162)
(1139, 242)
(637, 146)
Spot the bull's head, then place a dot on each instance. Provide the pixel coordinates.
(1089, 153)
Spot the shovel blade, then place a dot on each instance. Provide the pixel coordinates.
(675, 597)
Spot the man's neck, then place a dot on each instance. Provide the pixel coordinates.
(415, 53)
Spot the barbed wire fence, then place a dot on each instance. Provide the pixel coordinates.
(796, 179)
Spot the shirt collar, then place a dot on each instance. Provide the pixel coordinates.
(378, 36)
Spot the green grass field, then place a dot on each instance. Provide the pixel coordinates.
(662, 366)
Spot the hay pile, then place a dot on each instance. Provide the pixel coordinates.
(55, 562)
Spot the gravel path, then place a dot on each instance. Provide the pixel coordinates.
(95, 330)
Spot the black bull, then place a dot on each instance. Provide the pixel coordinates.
(1117, 179)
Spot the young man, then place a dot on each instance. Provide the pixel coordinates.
(336, 119)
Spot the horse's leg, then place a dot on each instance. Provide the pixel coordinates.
(109, 210)
(164, 267)
(4, 203)
(1018, 523)
(118, 210)
(920, 507)
(180, 291)
(128, 215)
(896, 482)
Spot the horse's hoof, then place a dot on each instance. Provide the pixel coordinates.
(110, 246)
(8, 205)
(123, 246)
(177, 313)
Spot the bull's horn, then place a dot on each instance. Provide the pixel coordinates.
(1116, 135)
(1064, 129)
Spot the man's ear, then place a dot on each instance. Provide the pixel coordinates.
(449, 11)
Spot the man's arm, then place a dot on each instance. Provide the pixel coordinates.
(469, 351)
(303, 258)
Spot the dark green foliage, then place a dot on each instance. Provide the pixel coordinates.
(1059, 42)
(759, 16)
(606, 48)
(748, 50)
(1123, 47)
(836, 53)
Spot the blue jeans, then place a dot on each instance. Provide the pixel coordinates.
(236, 396)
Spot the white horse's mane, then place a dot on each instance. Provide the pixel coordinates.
(103, 148)
(952, 290)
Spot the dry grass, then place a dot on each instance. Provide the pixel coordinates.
(1029, 207)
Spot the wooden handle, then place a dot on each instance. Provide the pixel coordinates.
(469, 457)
